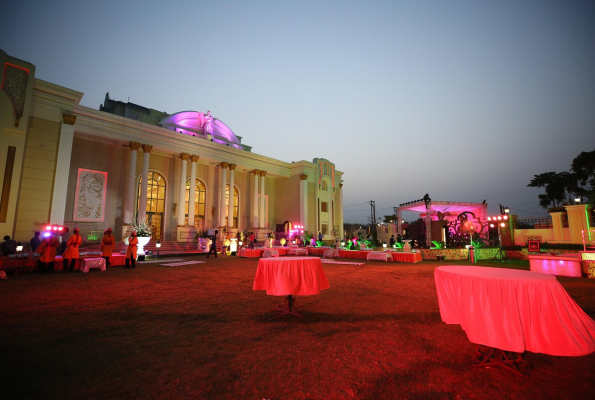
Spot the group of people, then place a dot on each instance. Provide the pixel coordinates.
(48, 247)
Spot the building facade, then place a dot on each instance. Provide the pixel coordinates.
(66, 164)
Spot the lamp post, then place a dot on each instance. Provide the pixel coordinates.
(158, 245)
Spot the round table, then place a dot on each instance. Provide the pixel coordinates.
(290, 277)
(514, 310)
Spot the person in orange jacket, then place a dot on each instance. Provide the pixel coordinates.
(72, 251)
(48, 249)
(108, 244)
(131, 250)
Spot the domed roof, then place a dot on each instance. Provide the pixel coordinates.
(194, 122)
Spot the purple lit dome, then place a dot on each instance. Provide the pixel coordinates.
(194, 123)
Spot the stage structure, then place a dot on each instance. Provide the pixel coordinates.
(447, 219)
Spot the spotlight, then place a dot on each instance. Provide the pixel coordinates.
(49, 227)
(19, 247)
(492, 225)
(502, 225)
(499, 218)
(505, 217)
(577, 200)
(489, 218)
(506, 210)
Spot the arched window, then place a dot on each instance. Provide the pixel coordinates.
(236, 205)
(155, 201)
(200, 195)
(324, 186)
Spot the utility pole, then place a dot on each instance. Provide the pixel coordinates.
(373, 217)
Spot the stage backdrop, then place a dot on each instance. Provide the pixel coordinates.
(89, 202)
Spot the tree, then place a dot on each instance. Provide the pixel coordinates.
(566, 185)
(555, 187)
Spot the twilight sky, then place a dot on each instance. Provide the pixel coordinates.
(464, 100)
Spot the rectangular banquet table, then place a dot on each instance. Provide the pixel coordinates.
(556, 265)
(359, 254)
(88, 263)
(270, 253)
(330, 253)
(379, 256)
(297, 251)
(298, 276)
(514, 310)
(406, 257)
(115, 260)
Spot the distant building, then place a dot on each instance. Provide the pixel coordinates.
(63, 163)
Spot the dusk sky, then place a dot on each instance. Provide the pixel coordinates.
(464, 100)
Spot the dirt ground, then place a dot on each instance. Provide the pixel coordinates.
(201, 332)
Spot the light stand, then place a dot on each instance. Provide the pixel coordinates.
(500, 255)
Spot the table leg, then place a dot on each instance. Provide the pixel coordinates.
(486, 356)
(289, 307)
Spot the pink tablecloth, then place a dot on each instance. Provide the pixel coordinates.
(406, 257)
(514, 310)
(299, 276)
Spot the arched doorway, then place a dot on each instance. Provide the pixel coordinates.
(236, 205)
(200, 195)
(155, 202)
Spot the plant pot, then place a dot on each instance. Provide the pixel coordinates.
(142, 242)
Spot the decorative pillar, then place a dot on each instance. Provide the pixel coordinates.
(142, 202)
(255, 219)
(399, 222)
(341, 221)
(578, 221)
(224, 167)
(304, 201)
(262, 208)
(62, 170)
(558, 225)
(182, 197)
(429, 224)
(192, 192)
(232, 168)
(131, 186)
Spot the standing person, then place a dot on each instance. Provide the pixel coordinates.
(392, 241)
(131, 254)
(213, 247)
(108, 244)
(48, 249)
(252, 240)
(35, 242)
(72, 251)
(320, 236)
(63, 243)
(9, 246)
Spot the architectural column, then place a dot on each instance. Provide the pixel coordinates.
(182, 197)
(221, 210)
(255, 219)
(304, 201)
(232, 168)
(131, 186)
(192, 193)
(578, 221)
(558, 225)
(62, 170)
(429, 225)
(341, 221)
(262, 221)
(399, 222)
(142, 202)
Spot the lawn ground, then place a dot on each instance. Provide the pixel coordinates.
(201, 332)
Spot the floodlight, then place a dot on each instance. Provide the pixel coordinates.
(502, 224)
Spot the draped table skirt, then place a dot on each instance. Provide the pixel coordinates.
(514, 310)
(298, 276)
